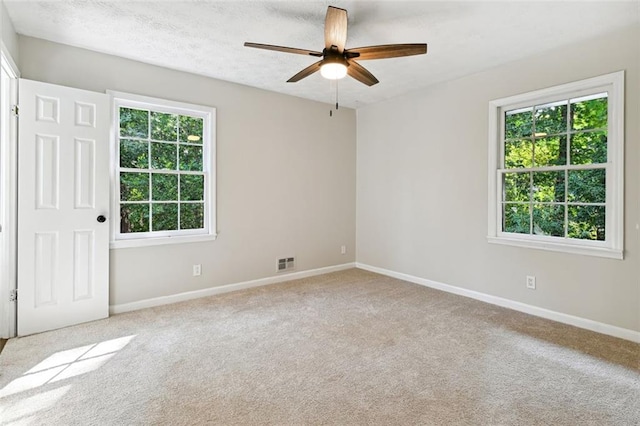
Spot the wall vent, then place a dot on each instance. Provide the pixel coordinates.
(285, 264)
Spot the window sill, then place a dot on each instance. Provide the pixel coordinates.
(159, 241)
(559, 247)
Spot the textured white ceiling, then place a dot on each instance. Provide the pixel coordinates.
(206, 37)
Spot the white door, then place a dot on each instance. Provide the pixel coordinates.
(63, 199)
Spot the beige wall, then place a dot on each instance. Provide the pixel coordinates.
(422, 189)
(286, 175)
(8, 33)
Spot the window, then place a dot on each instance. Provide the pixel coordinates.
(556, 168)
(164, 171)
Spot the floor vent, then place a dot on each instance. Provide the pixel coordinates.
(286, 264)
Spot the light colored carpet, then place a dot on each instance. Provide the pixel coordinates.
(345, 348)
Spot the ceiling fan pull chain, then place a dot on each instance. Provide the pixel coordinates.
(336, 95)
(331, 83)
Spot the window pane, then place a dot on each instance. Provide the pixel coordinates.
(191, 216)
(134, 186)
(164, 127)
(191, 129)
(163, 155)
(165, 216)
(587, 186)
(518, 123)
(551, 151)
(548, 186)
(590, 114)
(551, 119)
(516, 218)
(518, 153)
(134, 123)
(134, 218)
(164, 187)
(191, 158)
(134, 154)
(191, 187)
(516, 186)
(548, 219)
(586, 222)
(589, 148)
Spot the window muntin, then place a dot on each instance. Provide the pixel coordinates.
(164, 162)
(556, 169)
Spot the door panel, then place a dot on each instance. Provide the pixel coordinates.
(47, 162)
(63, 251)
(45, 268)
(85, 163)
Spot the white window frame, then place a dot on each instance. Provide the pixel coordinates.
(613, 245)
(128, 100)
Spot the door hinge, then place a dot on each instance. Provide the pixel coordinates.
(15, 110)
(13, 295)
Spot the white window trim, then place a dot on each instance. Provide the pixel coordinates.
(613, 246)
(209, 166)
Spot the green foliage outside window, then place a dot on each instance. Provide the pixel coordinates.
(548, 219)
(162, 185)
(164, 155)
(556, 201)
(134, 123)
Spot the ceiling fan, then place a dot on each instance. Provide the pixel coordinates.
(337, 62)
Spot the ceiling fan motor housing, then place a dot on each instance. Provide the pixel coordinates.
(334, 57)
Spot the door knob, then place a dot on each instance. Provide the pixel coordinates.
(101, 219)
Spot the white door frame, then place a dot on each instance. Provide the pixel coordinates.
(8, 193)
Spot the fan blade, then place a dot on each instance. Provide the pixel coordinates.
(335, 28)
(284, 49)
(387, 51)
(306, 72)
(361, 74)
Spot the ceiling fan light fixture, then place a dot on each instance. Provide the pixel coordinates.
(333, 70)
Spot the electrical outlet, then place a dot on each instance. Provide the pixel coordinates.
(197, 270)
(343, 250)
(531, 282)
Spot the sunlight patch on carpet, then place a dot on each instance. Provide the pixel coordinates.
(27, 407)
(66, 364)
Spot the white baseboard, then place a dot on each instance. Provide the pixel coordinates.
(588, 324)
(180, 297)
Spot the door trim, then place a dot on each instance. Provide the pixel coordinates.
(9, 197)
